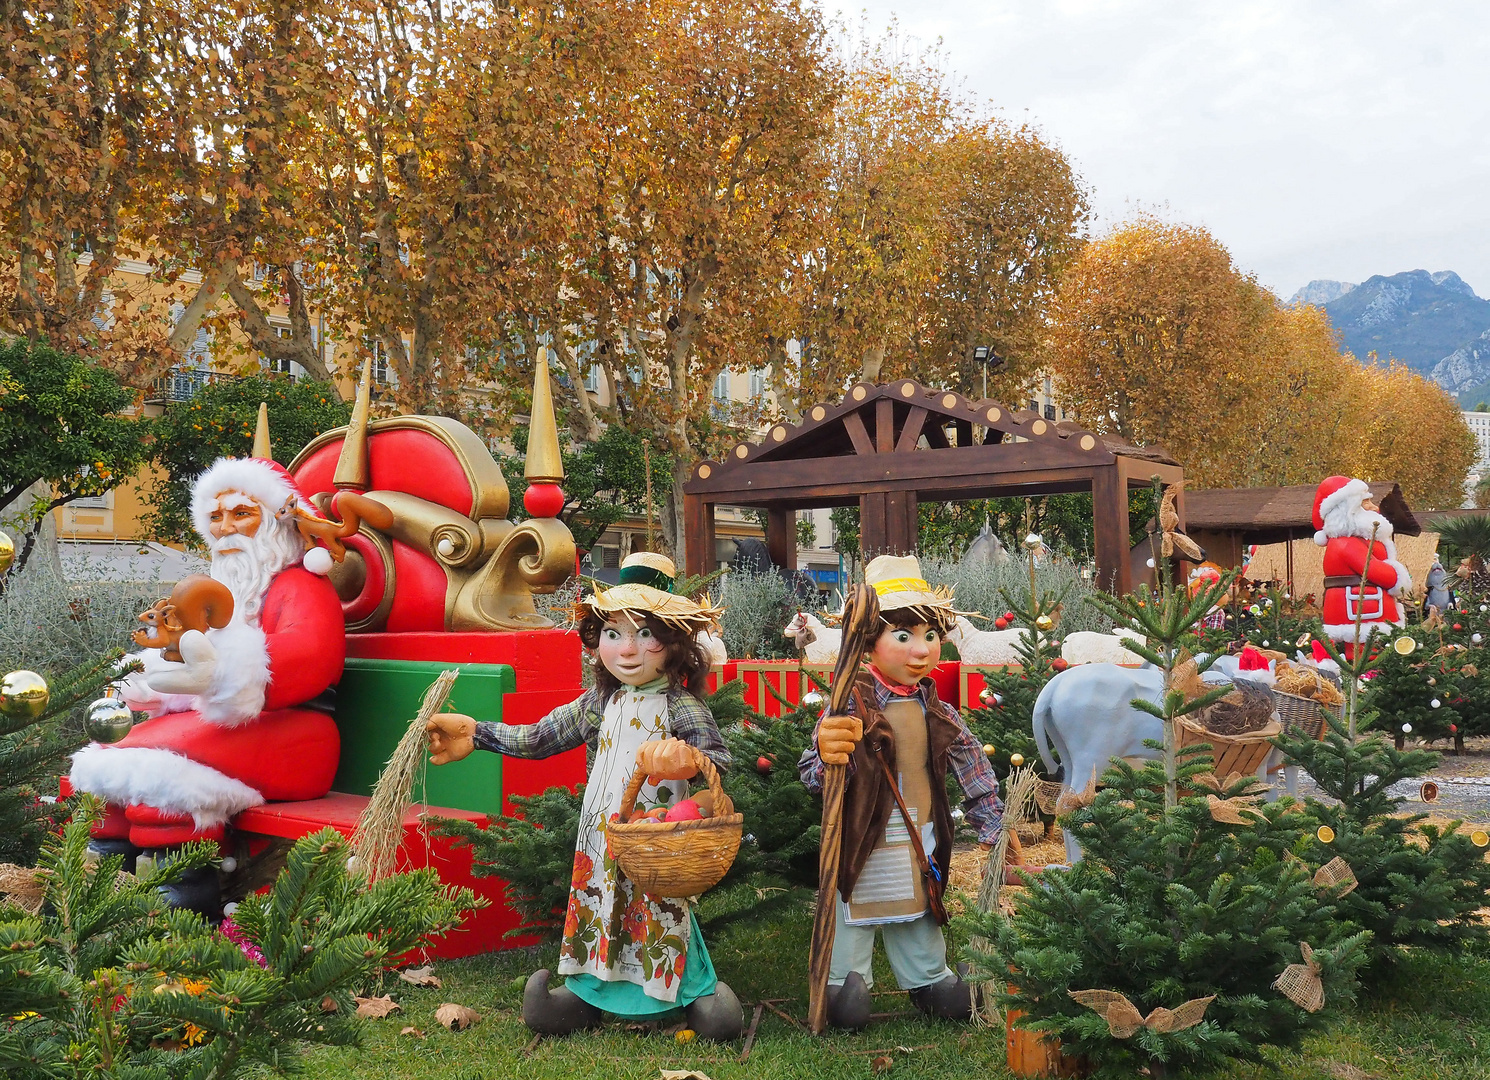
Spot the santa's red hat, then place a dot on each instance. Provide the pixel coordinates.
(265, 481)
(1333, 493)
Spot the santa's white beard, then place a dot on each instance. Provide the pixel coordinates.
(1359, 522)
(248, 570)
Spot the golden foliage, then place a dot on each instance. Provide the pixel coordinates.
(1158, 337)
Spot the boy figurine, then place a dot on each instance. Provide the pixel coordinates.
(623, 952)
(899, 728)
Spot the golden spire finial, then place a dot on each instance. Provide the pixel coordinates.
(544, 464)
(351, 467)
(261, 434)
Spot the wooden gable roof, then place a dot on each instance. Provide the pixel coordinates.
(904, 434)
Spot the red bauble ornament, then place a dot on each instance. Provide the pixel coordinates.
(1458, 627)
(1008, 616)
(1000, 624)
(1453, 729)
(763, 764)
(1060, 663)
(543, 500)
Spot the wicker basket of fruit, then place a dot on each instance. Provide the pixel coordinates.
(683, 850)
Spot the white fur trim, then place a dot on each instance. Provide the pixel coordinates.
(250, 476)
(162, 779)
(1350, 494)
(1345, 632)
(1321, 538)
(318, 561)
(1404, 579)
(236, 693)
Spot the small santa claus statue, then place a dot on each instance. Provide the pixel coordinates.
(1345, 522)
(230, 727)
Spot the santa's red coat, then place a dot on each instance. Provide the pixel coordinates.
(285, 753)
(1345, 556)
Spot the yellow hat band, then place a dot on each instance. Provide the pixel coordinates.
(902, 584)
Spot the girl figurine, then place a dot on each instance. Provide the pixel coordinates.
(899, 743)
(623, 952)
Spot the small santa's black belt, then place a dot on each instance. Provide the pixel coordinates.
(1347, 583)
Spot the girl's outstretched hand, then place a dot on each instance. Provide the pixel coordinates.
(452, 736)
(665, 759)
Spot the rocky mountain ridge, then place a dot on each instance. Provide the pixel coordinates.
(1433, 322)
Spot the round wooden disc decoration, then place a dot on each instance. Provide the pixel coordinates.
(949, 401)
(1038, 427)
(778, 433)
(993, 416)
(1480, 837)
(742, 450)
(1429, 791)
(907, 389)
(704, 472)
(818, 412)
(1326, 834)
(1088, 442)
(860, 393)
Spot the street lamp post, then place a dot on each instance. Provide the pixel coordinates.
(985, 355)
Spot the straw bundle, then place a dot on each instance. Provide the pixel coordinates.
(22, 886)
(380, 829)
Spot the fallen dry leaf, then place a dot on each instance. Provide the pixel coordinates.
(328, 1004)
(881, 1064)
(456, 1017)
(418, 1033)
(683, 1074)
(375, 1007)
(421, 976)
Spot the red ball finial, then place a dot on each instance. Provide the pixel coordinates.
(543, 500)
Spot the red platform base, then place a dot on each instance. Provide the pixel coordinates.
(483, 930)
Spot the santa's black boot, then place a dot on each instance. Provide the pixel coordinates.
(717, 1016)
(107, 847)
(951, 999)
(555, 1012)
(196, 890)
(849, 1004)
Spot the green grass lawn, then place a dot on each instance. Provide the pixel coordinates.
(1432, 1022)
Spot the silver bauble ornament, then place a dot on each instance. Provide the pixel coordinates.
(812, 699)
(108, 720)
(1032, 542)
(24, 695)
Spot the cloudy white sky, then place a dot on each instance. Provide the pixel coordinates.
(1314, 139)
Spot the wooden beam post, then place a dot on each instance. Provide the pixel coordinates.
(874, 533)
(698, 526)
(901, 525)
(781, 536)
(1110, 521)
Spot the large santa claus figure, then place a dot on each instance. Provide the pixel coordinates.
(1344, 517)
(230, 725)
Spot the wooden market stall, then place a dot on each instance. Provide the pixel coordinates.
(890, 447)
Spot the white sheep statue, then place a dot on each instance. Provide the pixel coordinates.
(984, 646)
(1089, 647)
(818, 643)
(713, 645)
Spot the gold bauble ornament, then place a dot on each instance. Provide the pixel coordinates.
(1044, 624)
(24, 695)
(988, 749)
(7, 552)
(1016, 760)
(1326, 834)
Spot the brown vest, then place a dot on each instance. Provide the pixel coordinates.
(867, 803)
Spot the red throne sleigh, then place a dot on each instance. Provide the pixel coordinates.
(449, 583)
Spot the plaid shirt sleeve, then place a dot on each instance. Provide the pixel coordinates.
(810, 765)
(983, 807)
(689, 719)
(563, 729)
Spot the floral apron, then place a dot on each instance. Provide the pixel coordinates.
(612, 932)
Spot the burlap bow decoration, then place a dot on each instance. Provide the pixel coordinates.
(1227, 811)
(1169, 524)
(1124, 1019)
(1301, 983)
(1336, 877)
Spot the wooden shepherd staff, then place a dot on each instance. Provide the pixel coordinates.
(861, 617)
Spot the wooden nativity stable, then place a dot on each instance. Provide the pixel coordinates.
(892, 446)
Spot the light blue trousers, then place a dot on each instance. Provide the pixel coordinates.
(917, 951)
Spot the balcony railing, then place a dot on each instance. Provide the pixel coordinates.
(182, 384)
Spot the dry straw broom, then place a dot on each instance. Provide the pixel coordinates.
(1019, 798)
(380, 830)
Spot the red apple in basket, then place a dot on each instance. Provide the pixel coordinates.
(687, 810)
